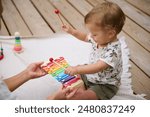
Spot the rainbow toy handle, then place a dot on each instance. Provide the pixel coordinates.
(56, 68)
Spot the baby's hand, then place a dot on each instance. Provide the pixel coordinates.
(68, 29)
(71, 70)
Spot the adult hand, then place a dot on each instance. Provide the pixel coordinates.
(34, 70)
(63, 94)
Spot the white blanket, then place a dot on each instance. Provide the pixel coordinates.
(41, 49)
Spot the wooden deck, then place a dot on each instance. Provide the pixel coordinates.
(37, 18)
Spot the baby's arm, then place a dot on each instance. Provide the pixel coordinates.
(76, 33)
(87, 69)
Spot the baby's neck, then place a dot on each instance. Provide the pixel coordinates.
(114, 39)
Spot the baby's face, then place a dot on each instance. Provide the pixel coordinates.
(100, 36)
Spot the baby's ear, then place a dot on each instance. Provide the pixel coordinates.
(112, 33)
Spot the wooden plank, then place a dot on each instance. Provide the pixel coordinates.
(32, 18)
(143, 5)
(135, 14)
(139, 55)
(47, 11)
(13, 19)
(101, 1)
(82, 6)
(140, 82)
(137, 33)
(93, 2)
(3, 30)
(70, 14)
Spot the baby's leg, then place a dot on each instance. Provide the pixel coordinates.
(82, 93)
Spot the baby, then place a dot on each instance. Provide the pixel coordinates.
(102, 75)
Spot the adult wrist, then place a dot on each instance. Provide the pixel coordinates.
(26, 75)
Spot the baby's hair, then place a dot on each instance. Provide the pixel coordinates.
(107, 15)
